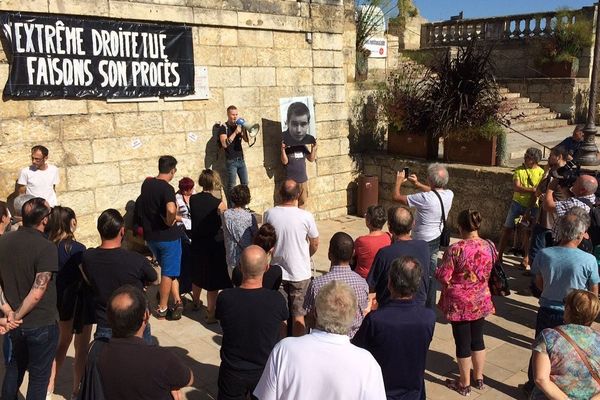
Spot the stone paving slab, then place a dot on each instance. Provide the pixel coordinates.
(508, 335)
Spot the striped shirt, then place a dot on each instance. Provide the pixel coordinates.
(351, 278)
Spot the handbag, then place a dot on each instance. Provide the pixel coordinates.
(581, 354)
(498, 281)
(445, 236)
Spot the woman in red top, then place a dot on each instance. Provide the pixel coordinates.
(366, 247)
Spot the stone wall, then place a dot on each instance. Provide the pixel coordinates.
(256, 52)
(486, 189)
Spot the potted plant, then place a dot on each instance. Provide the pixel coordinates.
(571, 36)
(405, 104)
(465, 106)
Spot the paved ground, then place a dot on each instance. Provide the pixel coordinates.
(508, 337)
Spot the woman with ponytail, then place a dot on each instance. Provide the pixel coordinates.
(466, 298)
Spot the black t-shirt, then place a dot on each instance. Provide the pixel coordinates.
(378, 275)
(251, 321)
(296, 166)
(151, 209)
(23, 254)
(109, 269)
(233, 149)
(271, 278)
(292, 141)
(131, 369)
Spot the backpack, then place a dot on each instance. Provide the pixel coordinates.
(594, 229)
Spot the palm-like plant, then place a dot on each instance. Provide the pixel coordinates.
(370, 15)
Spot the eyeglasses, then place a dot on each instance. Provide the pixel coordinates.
(49, 212)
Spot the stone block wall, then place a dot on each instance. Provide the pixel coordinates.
(256, 52)
(486, 189)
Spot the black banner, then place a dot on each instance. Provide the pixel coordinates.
(75, 57)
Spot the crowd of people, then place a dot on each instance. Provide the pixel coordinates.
(360, 331)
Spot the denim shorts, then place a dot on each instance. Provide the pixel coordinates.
(515, 211)
(168, 255)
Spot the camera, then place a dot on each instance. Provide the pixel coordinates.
(406, 172)
(567, 174)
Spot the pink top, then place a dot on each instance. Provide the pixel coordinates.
(464, 275)
(365, 249)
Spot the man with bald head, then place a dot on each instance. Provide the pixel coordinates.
(251, 318)
(297, 241)
(400, 224)
(130, 368)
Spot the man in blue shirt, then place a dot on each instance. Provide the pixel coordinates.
(400, 224)
(560, 269)
(398, 334)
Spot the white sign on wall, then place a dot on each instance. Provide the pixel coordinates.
(378, 47)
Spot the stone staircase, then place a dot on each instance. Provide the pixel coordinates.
(525, 115)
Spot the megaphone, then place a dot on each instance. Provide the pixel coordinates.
(251, 129)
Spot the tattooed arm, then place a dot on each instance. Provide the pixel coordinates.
(35, 294)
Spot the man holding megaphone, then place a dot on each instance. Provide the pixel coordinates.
(231, 135)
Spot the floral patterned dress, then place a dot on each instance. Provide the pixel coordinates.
(567, 369)
(464, 275)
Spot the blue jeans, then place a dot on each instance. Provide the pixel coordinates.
(33, 350)
(546, 318)
(106, 332)
(235, 167)
(434, 246)
(540, 239)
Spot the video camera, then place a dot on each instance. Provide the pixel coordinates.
(567, 174)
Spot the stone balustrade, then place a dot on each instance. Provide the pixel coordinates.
(510, 27)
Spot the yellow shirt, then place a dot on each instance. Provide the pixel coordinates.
(528, 178)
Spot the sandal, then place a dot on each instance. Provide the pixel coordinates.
(197, 305)
(479, 385)
(455, 385)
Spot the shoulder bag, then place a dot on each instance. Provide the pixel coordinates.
(445, 236)
(498, 282)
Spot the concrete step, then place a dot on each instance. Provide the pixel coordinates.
(529, 126)
(510, 95)
(522, 105)
(516, 100)
(528, 111)
(535, 117)
(503, 90)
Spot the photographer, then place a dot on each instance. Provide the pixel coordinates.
(580, 192)
(541, 234)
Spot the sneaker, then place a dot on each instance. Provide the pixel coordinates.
(176, 311)
(160, 314)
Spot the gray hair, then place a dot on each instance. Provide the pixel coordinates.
(336, 307)
(405, 276)
(19, 201)
(534, 153)
(437, 174)
(573, 224)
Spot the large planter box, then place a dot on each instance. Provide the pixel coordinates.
(563, 69)
(411, 145)
(479, 152)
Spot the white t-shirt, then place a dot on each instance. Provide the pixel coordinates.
(292, 225)
(40, 183)
(429, 213)
(320, 365)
